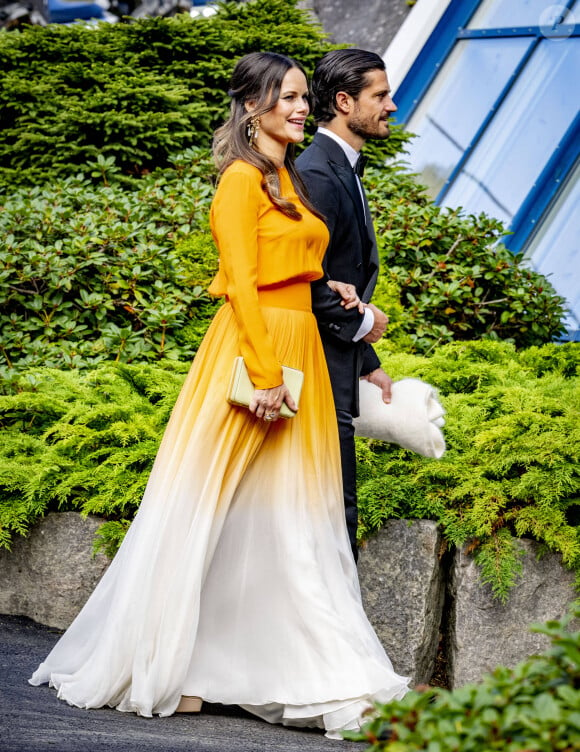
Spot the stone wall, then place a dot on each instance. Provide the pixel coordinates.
(370, 25)
(482, 633)
(416, 599)
(49, 575)
(403, 590)
(410, 590)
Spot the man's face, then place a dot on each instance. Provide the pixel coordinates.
(373, 107)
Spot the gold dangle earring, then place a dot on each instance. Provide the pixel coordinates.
(253, 129)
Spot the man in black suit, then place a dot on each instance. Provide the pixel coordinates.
(352, 103)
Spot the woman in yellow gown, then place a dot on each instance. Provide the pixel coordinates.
(235, 582)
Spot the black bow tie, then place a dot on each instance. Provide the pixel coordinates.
(359, 165)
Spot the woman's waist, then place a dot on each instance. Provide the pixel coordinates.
(292, 295)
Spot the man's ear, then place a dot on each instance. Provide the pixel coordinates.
(344, 102)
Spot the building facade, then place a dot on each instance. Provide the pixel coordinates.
(491, 88)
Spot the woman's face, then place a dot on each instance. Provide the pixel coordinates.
(284, 123)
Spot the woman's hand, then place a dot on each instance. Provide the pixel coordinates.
(266, 403)
(348, 293)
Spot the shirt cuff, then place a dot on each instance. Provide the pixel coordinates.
(367, 324)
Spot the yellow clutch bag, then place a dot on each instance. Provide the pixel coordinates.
(241, 389)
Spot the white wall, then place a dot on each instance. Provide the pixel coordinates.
(411, 37)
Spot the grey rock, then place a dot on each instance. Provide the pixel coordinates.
(402, 586)
(370, 25)
(49, 575)
(484, 633)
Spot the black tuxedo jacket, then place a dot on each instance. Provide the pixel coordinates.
(351, 256)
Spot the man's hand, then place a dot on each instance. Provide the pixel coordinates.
(348, 293)
(379, 327)
(382, 380)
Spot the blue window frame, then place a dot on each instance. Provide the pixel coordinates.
(554, 248)
(495, 14)
(494, 99)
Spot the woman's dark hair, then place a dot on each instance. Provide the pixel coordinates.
(340, 70)
(257, 79)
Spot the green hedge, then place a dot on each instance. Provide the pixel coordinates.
(87, 440)
(107, 255)
(93, 273)
(534, 707)
(105, 183)
(136, 92)
(455, 279)
(82, 441)
(512, 466)
(90, 273)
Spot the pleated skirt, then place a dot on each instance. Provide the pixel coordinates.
(235, 581)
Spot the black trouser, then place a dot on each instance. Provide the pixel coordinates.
(348, 462)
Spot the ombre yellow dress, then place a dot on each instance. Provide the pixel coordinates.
(235, 581)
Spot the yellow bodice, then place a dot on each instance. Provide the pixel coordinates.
(261, 248)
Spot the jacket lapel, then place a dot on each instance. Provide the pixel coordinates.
(373, 254)
(340, 165)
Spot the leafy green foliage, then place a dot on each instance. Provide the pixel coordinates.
(134, 93)
(107, 256)
(512, 462)
(86, 440)
(96, 272)
(131, 95)
(82, 441)
(535, 706)
(91, 273)
(456, 280)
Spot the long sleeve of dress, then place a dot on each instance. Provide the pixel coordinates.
(235, 218)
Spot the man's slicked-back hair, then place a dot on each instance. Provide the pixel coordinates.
(340, 70)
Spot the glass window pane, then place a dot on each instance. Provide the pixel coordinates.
(523, 135)
(502, 13)
(458, 101)
(555, 249)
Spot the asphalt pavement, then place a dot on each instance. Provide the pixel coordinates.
(32, 719)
